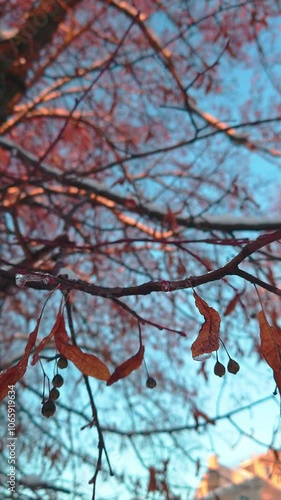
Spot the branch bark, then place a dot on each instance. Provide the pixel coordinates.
(114, 201)
(19, 53)
(231, 268)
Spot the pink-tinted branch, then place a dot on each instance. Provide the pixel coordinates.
(231, 268)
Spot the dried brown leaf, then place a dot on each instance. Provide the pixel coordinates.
(232, 304)
(152, 485)
(270, 343)
(208, 337)
(86, 363)
(15, 373)
(127, 367)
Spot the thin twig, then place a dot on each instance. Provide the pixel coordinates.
(101, 444)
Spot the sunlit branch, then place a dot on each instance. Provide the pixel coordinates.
(102, 195)
(253, 279)
(231, 268)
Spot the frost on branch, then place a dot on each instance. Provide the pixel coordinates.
(22, 278)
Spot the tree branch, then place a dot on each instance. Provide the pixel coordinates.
(49, 282)
(19, 53)
(104, 196)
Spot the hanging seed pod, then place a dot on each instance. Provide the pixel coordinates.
(57, 380)
(62, 362)
(48, 408)
(54, 394)
(151, 382)
(233, 366)
(219, 369)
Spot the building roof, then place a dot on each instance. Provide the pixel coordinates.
(257, 478)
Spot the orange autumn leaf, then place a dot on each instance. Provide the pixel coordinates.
(270, 343)
(88, 364)
(208, 337)
(15, 373)
(232, 304)
(276, 332)
(127, 367)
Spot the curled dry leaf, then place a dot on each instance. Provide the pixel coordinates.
(270, 342)
(15, 373)
(86, 363)
(127, 367)
(208, 337)
(271, 346)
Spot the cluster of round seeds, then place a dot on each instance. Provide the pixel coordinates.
(232, 367)
(49, 406)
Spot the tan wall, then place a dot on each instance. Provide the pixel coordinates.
(256, 479)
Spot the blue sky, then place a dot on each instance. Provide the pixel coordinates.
(221, 397)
